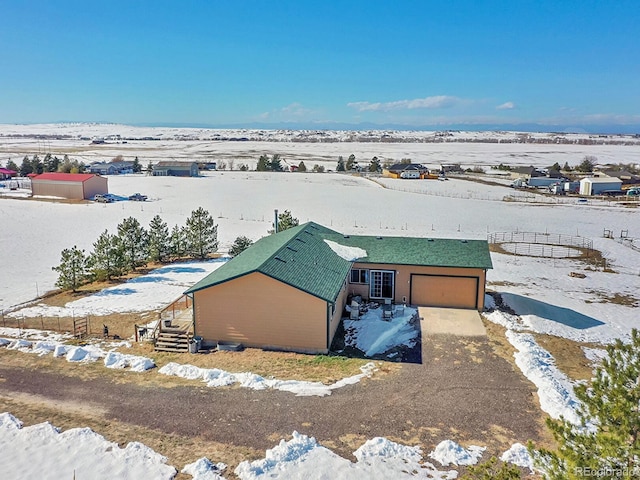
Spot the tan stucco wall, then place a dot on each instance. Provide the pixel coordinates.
(403, 279)
(261, 312)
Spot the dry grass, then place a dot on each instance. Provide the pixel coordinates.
(568, 355)
(627, 300)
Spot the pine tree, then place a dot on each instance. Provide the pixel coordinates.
(374, 166)
(341, 167)
(202, 234)
(134, 241)
(159, 241)
(285, 222)
(107, 259)
(11, 165)
(350, 162)
(72, 271)
(136, 167)
(492, 470)
(606, 442)
(263, 163)
(36, 165)
(274, 163)
(26, 168)
(239, 245)
(178, 242)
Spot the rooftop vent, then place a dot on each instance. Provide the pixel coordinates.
(346, 236)
(463, 241)
(280, 260)
(429, 239)
(291, 248)
(379, 238)
(300, 240)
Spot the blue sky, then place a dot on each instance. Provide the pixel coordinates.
(414, 63)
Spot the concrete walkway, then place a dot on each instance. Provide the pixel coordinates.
(451, 321)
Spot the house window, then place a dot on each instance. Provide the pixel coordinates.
(359, 275)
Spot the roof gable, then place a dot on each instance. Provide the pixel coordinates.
(301, 257)
(297, 256)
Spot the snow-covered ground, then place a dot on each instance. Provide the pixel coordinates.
(546, 298)
(43, 451)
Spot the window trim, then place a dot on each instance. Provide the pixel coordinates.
(361, 272)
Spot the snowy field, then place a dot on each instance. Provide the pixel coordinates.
(598, 308)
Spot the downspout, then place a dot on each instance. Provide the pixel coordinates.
(275, 223)
(193, 312)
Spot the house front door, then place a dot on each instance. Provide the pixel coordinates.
(381, 284)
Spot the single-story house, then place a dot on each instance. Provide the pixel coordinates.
(599, 185)
(288, 290)
(176, 169)
(69, 185)
(6, 174)
(111, 168)
(405, 170)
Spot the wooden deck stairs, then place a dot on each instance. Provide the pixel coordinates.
(172, 340)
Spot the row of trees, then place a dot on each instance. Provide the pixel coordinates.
(47, 164)
(133, 246)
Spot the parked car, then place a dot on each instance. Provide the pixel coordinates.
(102, 199)
(633, 192)
(137, 197)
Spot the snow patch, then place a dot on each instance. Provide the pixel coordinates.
(42, 451)
(555, 390)
(518, 455)
(449, 452)
(350, 254)
(215, 377)
(205, 469)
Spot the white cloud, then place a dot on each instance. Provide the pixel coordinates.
(506, 106)
(438, 101)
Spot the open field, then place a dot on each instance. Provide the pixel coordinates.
(567, 303)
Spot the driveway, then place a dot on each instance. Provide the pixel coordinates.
(451, 321)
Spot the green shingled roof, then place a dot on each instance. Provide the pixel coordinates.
(435, 252)
(298, 257)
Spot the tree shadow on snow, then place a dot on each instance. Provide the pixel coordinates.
(149, 279)
(178, 270)
(116, 291)
(566, 316)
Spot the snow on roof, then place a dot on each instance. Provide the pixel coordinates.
(350, 254)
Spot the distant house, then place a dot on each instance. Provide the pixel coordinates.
(207, 165)
(599, 185)
(69, 185)
(405, 170)
(288, 290)
(627, 177)
(111, 168)
(6, 174)
(176, 169)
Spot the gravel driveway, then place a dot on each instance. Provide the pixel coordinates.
(461, 390)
